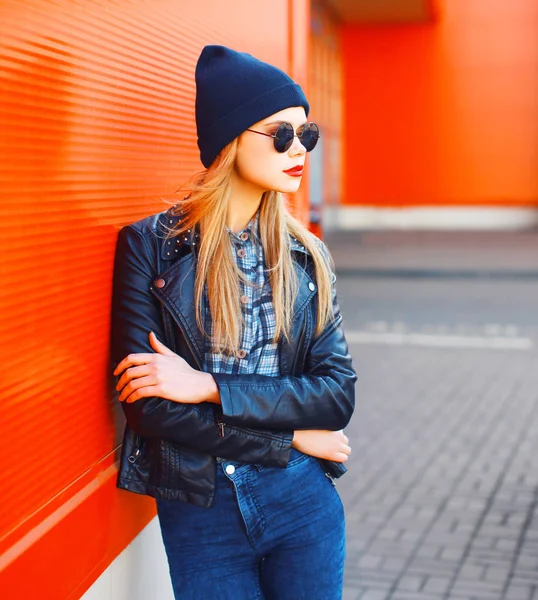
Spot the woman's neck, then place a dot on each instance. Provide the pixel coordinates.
(245, 199)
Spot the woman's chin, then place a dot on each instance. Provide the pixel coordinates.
(289, 187)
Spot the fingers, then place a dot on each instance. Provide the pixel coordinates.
(136, 384)
(132, 373)
(343, 453)
(131, 360)
(340, 457)
(159, 346)
(145, 392)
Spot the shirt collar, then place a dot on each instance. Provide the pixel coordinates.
(253, 229)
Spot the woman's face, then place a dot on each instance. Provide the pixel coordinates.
(260, 165)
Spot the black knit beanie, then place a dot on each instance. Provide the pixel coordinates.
(234, 90)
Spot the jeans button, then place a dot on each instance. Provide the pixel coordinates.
(230, 469)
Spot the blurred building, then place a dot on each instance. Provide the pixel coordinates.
(428, 110)
(440, 114)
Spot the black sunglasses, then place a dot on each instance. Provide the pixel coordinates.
(308, 135)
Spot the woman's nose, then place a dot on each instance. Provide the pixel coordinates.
(297, 149)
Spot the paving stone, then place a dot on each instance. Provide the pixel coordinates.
(394, 563)
(436, 585)
(415, 596)
(519, 592)
(410, 583)
(352, 593)
(374, 595)
(370, 562)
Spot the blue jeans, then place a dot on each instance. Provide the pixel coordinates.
(272, 534)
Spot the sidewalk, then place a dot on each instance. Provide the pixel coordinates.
(441, 254)
(441, 494)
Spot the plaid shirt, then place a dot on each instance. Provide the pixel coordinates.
(258, 353)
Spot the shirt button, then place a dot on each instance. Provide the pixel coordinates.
(241, 354)
(230, 469)
(241, 252)
(244, 299)
(311, 286)
(244, 236)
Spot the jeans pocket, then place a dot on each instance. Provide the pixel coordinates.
(297, 457)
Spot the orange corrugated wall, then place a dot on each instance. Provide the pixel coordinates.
(96, 123)
(444, 113)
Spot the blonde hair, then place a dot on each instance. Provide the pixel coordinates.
(206, 207)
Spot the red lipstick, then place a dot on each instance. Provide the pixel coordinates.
(295, 171)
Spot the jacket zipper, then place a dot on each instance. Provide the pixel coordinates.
(136, 452)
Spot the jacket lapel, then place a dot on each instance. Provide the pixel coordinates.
(300, 327)
(177, 295)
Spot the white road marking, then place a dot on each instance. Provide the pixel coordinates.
(439, 341)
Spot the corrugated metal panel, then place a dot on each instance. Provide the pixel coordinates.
(96, 124)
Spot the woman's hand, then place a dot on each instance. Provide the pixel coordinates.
(164, 374)
(330, 445)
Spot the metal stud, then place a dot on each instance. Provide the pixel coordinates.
(168, 254)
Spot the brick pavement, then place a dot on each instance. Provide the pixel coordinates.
(442, 486)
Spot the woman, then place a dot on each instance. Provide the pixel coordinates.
(233, 369)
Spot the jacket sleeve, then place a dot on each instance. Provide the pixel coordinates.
(136, 312)
(322, 397)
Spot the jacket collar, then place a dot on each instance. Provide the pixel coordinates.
(174, 247)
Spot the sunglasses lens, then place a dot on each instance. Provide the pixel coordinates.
(283, 137)
(309, 135)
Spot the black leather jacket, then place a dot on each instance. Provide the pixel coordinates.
(169, 448)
